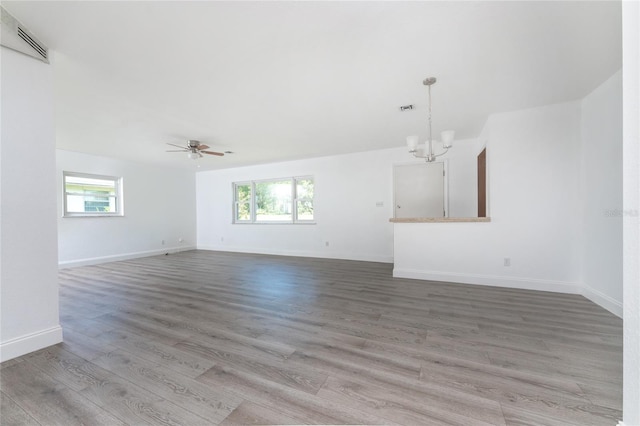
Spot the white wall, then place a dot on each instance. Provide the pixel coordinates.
(28, 272)
(534, 165)
(601, 194)
(631, 225)
(347, 188)
(159, 204)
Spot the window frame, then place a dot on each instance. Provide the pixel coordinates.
(253, 199)
(295, 199)
(236, 203)
(252, 203)
(119, 199)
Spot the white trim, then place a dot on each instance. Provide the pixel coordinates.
(491, 280)
(620, 423)
(123, 256)
(601, 299)
(341, 256)
(30, 342)
(252, 202)
(119, 198)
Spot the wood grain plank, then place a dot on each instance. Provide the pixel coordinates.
(11, 414)
(303, 379)
(48, 401)
(80, 345)
(135, 405)
(301, 340)
(249, 413)
(425, 350)
(310, 408)
(65, 367)
(400, 406)
(559, 398)
(206, 402)
(552, 416)
(10, 362)
(155, 351)
(439, 394)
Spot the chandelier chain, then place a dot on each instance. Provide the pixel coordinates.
(430, 136)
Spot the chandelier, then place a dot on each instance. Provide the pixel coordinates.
(427, 152)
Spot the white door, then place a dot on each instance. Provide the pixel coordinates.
(419, 190)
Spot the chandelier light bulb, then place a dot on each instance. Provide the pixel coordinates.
(447, 138)
(412, 142)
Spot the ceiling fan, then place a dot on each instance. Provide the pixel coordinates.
(194, 149)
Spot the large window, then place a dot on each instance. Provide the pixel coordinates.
(287, 200)
(91, 195)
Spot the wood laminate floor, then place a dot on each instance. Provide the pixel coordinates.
(205, 338)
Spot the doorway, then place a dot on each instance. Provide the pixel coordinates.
(482, 183)
(419, 190)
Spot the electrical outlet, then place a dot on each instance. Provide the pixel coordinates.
(326, 243)
(162, 242)
(507, 261)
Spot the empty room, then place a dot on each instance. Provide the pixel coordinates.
(319, 212)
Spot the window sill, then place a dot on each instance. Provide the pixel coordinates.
(440, 220)
(273, 223)
(70, 216)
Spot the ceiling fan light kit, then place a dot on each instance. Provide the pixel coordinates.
(427, 152)
(194, 149)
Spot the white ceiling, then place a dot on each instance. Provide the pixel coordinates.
(287, 80)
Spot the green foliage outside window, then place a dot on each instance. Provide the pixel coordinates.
(243, 202)
(274, 200)
(304, 193)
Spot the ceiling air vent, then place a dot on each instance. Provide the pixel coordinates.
(15, 36)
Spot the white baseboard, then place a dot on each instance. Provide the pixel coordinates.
(609, 303)
(294, 253)
(30, 342)
(491, 280)
(124, 256)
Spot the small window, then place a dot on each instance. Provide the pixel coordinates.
(92, 195)
(287, 200)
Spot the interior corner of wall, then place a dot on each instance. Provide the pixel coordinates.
(603, 300)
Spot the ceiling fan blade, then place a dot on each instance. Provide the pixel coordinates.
(178, 146)
(203, 146)
(177, 150)
(213, 153)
